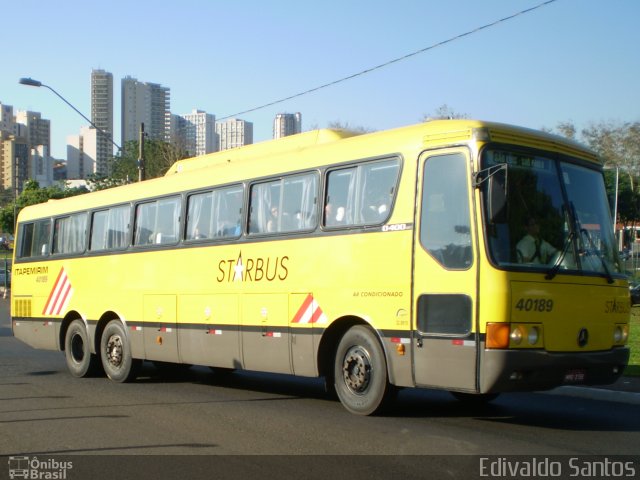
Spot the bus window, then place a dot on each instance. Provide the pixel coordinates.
(361, 195)
(109, 229)
(70, 234)
(215, 215)
(284, 205)
(445, 224)
(34, 239)
(157, 223)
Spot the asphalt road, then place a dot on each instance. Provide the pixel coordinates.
(45, 412)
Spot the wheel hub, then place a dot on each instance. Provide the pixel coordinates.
(356, 370)
(114, 350)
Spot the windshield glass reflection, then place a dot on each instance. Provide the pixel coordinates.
(555, 217)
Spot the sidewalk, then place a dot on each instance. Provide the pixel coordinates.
(625, 390)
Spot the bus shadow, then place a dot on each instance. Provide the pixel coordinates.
(274, 383)
(554, 412)
(541, 410)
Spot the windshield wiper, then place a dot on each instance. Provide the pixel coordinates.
(578, 229)
(553, 271)
(592, 249)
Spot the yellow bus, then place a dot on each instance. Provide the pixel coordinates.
(460, 255)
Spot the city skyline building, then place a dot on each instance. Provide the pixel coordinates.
(102, 117)
(7, 120)
(41, 166)
(234, 133)
(37, 130)
(145, 103)
(82, 153)
(196, 133)
(286, 124)
(14, 161)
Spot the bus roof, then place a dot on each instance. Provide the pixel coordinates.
(291, 143)
(332, 146)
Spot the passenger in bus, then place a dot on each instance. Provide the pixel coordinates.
(272, 223)
(333, 218)
(198, 234)
(532, 248)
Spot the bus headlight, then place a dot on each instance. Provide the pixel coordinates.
(516, 335)
(525, 335)
(620, 334)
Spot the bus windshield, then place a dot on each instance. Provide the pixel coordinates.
(554, 217)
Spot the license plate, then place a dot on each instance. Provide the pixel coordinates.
(575, 376)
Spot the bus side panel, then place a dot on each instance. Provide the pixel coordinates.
(160, 329)
(36, 332)
(28, 311)
(208, 331)
(304, 343)
(265, 333)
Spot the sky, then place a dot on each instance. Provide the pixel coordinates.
(571, 60)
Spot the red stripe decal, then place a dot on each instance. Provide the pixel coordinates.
(46, 305)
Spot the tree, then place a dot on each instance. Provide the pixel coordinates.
(159, 156)
(31, 195)
(339, 125)
(618, 144)
(443, 112)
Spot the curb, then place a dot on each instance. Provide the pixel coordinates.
(601, 394)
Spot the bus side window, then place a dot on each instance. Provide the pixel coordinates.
(70, 234)
(445, 225)
(362, 194)
(34, 239)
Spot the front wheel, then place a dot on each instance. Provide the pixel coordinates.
(77, 351)
(360, 372)
(115, 352)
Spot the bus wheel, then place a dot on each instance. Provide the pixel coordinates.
(360, 372)
(115, 352)
(80, 361)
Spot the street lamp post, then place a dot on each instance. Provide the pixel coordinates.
(36, 83)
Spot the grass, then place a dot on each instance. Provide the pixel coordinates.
(634, 343)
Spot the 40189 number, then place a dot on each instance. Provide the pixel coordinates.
(534, 305)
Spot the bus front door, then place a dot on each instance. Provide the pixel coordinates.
(444, 346)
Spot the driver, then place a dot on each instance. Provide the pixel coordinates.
(532, 248)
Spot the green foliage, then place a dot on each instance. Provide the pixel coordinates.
(32, 194)
(444, 112)
(159, 156)
(618, 144)
(634, 343)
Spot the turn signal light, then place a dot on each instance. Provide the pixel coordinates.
(498, 335)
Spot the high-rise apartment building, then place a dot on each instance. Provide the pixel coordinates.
(196, 133)
(41, 166)
(14, 161)
(234, 133)
(37, 129)
(82, 153)
(7, 120)
(102, 117)
(287, 124)
(148, 103)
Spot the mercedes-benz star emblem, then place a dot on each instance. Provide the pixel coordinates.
(583, 337)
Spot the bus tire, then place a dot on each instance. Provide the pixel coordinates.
(360, 372)
(77, 351)
(115, 352)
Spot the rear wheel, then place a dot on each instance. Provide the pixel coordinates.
(115, 352)
(77, 351)
(360, 372)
